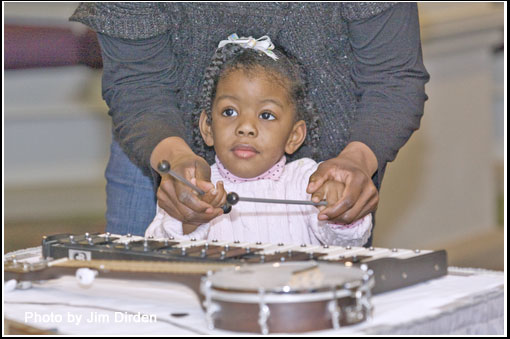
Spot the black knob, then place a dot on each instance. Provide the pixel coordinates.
(226, 208)
(164, 166)
(232, 198)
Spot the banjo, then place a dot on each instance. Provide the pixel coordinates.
(258, 298)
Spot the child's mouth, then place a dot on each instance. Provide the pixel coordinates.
(244, 151)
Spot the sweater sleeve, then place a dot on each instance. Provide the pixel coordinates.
(164, 226)
(139, 86)
(354, 234)
(139, 73)
(390, 78)
(128, 20)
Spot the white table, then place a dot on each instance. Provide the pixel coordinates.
(466, 301)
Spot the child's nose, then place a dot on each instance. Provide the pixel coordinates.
(247, 128)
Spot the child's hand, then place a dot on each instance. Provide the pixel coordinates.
(216, 197)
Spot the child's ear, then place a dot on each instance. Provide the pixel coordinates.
(206, 129)
(296, 137)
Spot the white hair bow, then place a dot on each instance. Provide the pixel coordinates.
(262, 44)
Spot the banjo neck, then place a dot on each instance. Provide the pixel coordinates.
(188, 274)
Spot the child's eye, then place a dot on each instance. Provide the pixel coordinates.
(267, 116)
(229, 112)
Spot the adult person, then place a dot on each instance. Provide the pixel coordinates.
(366, 77)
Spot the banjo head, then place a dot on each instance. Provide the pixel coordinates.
(287, 278)
(288, 297)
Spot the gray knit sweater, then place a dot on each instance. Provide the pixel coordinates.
(363, 61)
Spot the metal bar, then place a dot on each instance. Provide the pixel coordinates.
(185, 182)
(164, 167)
(282, 201)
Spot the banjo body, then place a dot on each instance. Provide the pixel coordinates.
(290, 297)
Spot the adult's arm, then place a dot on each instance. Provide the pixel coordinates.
(139, 80)
(390, 78)
(139, 87)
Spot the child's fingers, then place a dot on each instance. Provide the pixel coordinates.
(204, 185)
(209, 195)
(215, 197)
(333, 193)
(221, 189)
(348, 200)
(332, 197)
(220, 197)
(318, 196)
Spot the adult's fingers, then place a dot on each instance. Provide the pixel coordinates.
(370, 207)
(202, 175)
(348, 200)
(317, 179)
(353, 206)
(166, 200)
(351, 214)
(366, 203)
(183, 203)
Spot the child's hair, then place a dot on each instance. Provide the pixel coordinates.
(286, 70)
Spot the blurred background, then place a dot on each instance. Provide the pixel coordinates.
(445, 190)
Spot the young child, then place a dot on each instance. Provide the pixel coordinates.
(253, 110)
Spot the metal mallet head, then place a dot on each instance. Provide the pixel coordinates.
(164, 166)
(232, 198)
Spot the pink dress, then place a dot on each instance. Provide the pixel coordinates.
(268, 223)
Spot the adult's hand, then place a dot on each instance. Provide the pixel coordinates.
(177, 199)
(355, 193)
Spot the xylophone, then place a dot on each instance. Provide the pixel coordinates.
(393, 268)
(249, 287)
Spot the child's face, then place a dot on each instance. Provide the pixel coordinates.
(253, 123)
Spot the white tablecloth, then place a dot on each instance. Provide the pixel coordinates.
(466, 301)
